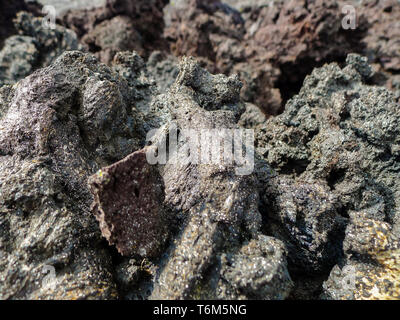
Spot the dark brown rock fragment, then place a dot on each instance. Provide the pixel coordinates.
(128, 204)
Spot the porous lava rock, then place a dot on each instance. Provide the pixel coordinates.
(129, 198)
(9, 10)
(214, 208)
(340, 136)
(57, 127)
(34, 46)
(119, 25)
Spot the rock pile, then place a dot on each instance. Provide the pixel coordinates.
(316, 217)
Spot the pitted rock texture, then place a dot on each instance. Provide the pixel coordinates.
(9, 10)
(128, 204)
(272, 46)
(381, 40)
(370, 270)
(318, 215)
(306, 218)
(164, 68)
(217, 209)
(256, 271)
(59, 126)
(118, 26)
(34, 47)
(272, 49)
(340, 134)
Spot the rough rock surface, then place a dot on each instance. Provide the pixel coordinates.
(271, 45)
(261, 48)
(381, 40)
(211, 227)
(306, 219)
(317, 218)
(9, 10)
(129, 198)
(34, 47)
(118, 26)
(58, 126)
(274, 45)
(370, 270)
(338, 142)
(164, 68)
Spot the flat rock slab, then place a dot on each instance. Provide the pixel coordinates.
(128, 203)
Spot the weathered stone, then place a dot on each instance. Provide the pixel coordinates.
(371, 268)
(164, 68)
(8, 11)
(36, 46)
(57, 127)
(339, 136)
(217, 207)
(306, 215)
(257, 271)
(252, 117)
(128, 204)
(119, 25)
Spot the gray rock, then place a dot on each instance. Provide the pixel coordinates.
(252, 117)
(58, 126)
(339, 135)
(217, 207)
(36, 46)
(163, 68)
(304, 216)
(370, 270)
(257, 271)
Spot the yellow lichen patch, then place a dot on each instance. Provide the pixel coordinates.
(380, 282)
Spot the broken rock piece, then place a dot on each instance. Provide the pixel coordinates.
(128, 204)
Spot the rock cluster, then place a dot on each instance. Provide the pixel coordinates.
(58, 126)
(118, 26)
(8, 10)
(33, 47)
(271, 45)
(335, 200)
(85, 213)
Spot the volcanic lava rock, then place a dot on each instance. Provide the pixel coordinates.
(34, 47)
(216, 207)
(370, 270)
(142, 87)
(164, 68)
(119, 25)
(306, 215)
(128, 203)
(8, 11)
(214, 33)
(272, 50)
(257, 271)
(381, 40)
(206, 29)
(57, 127)
(252, 117)
(341, 136)
(342, 132)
